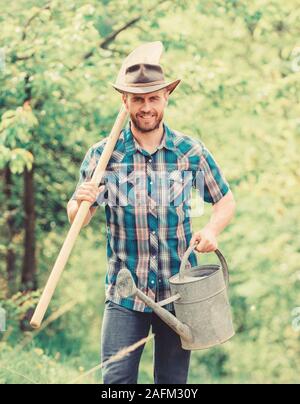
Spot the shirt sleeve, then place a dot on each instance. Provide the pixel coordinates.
(86, 172)
(210, 180)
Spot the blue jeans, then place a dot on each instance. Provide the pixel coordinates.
(121, 328)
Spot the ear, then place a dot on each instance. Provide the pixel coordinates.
(124, 100)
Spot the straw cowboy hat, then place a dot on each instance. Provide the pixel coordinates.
(141, 72)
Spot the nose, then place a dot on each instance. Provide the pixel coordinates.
(146, 107)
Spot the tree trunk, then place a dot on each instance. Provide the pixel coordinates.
(29, 262)
(11, 232)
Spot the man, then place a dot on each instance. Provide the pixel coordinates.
(144, 236)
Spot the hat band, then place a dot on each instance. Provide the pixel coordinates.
(153, 83)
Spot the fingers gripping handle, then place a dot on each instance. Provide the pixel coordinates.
(219, 255)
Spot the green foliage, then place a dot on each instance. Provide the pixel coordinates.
(239, 64)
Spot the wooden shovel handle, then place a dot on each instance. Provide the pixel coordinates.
(82, 212)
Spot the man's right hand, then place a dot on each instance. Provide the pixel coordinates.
(88, 191)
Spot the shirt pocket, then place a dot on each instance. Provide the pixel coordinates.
(121, 188)
(180, 185)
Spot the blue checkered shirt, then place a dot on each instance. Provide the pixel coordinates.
(148, 204)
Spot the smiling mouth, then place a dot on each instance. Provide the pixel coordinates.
(147, 118)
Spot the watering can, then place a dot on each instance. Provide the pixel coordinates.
(200, 295)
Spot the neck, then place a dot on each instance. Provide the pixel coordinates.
(148, 140)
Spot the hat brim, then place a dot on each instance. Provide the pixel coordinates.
(145, 90)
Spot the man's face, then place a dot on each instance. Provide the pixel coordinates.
(146, 110)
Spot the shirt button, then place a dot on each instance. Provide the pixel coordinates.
(152, 282)
(150, 161)
(154, 232)
(154, 257)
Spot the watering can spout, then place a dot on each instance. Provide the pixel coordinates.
(126, 287)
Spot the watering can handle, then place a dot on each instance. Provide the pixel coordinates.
(218, 253)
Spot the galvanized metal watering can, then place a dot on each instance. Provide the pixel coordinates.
(203, 314)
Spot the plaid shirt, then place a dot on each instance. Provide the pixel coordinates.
(149, 232)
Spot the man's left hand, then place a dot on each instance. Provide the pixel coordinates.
(206, 239)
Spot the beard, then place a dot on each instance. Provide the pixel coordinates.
(146, 126)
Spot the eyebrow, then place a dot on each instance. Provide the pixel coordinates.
(136, 97)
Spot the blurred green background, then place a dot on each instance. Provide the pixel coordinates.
(239, 62)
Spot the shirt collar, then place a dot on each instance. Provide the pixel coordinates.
(132, 146)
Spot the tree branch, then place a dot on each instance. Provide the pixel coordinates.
(103, 44)
(106, 42)
(22, 58)
(33, 17)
